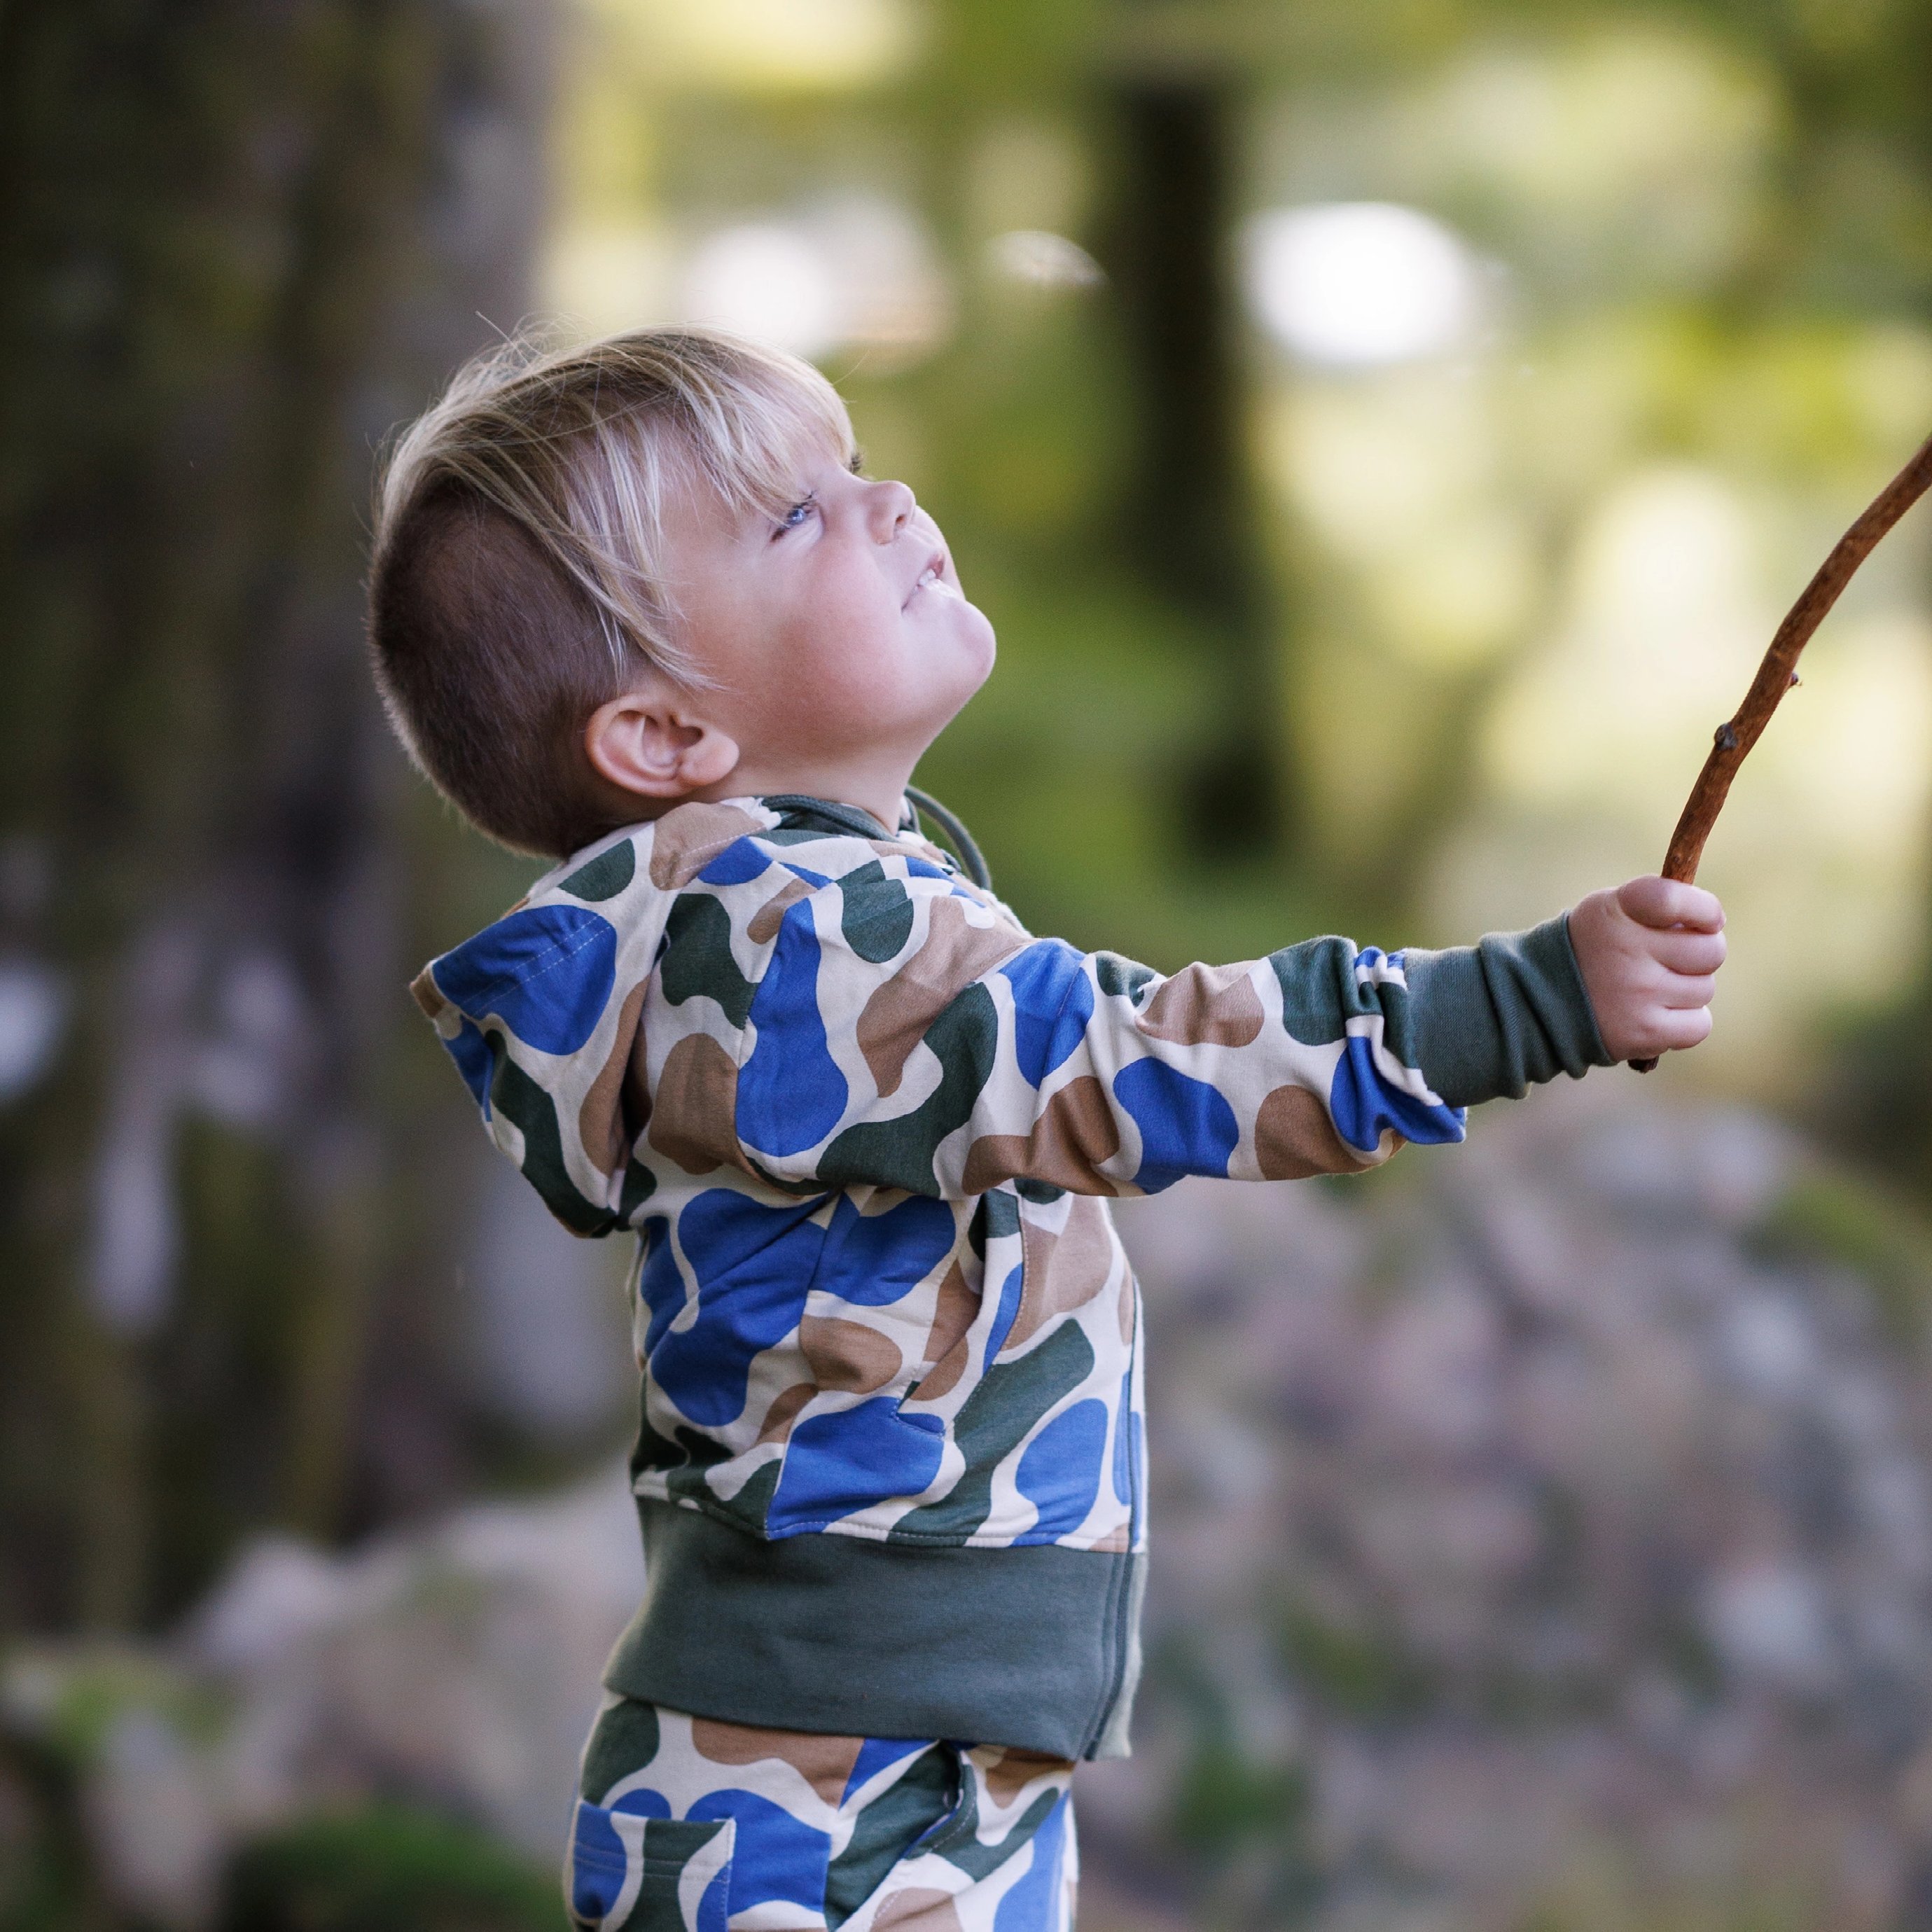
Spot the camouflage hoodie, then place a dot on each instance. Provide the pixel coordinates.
(889, 1462)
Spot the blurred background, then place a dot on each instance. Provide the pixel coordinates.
(1385, 436)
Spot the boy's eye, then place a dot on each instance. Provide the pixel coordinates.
(796, 515)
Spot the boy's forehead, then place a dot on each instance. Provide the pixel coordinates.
(699, 502)
(813, 448)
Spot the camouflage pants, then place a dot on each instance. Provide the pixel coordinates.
(686, 1825)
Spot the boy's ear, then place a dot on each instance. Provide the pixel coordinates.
(653, 742)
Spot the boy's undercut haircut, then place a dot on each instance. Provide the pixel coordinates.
(518, 580)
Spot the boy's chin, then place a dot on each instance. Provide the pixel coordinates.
(968, 690)
(980, 644)
(978, 666)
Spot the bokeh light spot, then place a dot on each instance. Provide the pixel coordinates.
(1359, 283)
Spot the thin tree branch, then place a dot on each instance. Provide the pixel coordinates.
(1779, 671)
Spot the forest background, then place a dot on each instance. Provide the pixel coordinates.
(1384, 436)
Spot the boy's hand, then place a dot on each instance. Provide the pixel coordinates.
(1648, 951)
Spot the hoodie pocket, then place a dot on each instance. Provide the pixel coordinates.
(629, 1873)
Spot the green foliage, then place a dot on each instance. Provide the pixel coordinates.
(385, 1869)
(1248, 1830)
(1601, 1895)
(1356, 1670)
(46, 1879)
(1222, 1800)
(89, 1691)
(1838, 1218)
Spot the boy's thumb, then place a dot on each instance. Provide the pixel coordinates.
(1662, 903)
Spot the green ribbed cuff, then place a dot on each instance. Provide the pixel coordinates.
(1493, 1019)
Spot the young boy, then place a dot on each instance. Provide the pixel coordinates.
(634, 607)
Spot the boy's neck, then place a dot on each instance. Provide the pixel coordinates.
(880, 794)
(855, 817)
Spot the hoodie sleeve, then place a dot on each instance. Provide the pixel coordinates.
(540, 1012)
(905, 1034)
(726, 997)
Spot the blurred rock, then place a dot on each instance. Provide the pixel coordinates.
(1545, 1523)
(456, 1669)
(1543, 1536)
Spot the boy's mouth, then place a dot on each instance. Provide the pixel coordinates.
(932, 577)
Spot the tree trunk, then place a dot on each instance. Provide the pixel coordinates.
(237, 242)
(1189, 513)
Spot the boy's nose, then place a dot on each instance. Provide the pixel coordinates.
(889, 509)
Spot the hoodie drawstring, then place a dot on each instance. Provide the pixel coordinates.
(957, 836)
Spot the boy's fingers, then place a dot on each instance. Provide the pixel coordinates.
(1687, 952)
(1689, 1028)
(1686, 990)
(1671, 1032)
(1654, 901)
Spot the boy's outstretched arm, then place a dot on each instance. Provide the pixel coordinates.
(792, 1012)
(1648, 951)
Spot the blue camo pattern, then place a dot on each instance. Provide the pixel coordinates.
(684, 1824)
(864, 1126)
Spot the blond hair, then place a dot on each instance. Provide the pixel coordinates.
(518, 579)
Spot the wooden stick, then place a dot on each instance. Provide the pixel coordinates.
(1779, 671)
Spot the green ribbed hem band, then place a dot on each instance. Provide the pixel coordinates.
(1036, 1647)
(1492, 1020)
